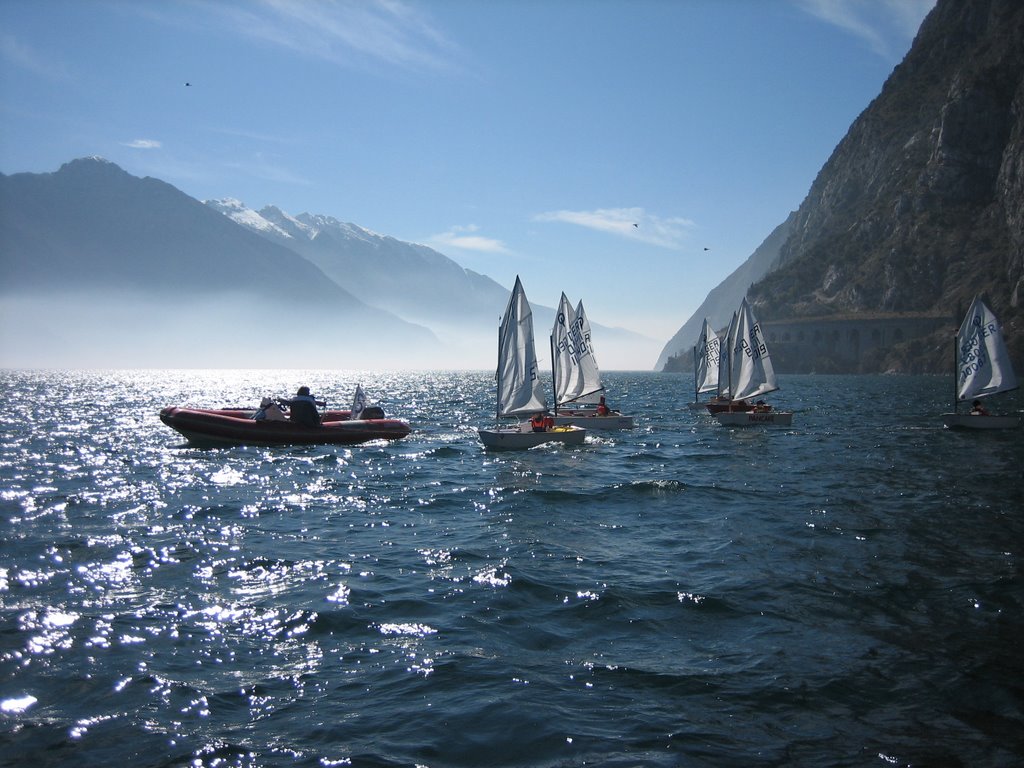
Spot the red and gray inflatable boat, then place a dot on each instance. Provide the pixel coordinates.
(232, 426)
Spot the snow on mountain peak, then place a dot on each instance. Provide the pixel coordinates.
(272, 220)
(287, 222)
(247, 217)
(320, 222)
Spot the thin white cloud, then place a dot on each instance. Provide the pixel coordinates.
(25, 57)
(631, 223)
(255, 135)
(885, 25)
(463, 238)
(143, 144)
(348, 32)
(258, 166)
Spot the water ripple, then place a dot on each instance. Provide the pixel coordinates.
(844, 590)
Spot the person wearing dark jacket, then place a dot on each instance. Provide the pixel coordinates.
(302, 408)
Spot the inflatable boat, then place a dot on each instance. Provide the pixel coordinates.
(236, 426)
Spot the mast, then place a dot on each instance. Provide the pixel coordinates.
(554, 383)
(497, 381)
(956, 372)
(731, 335)
(696, 386)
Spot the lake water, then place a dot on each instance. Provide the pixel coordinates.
(846, 592)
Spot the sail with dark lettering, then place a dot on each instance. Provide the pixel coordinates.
(579, 393)
(983, 362)
(705, 361)
(725, 363)
(577, 378)
(983, 368)
(519, 388)
(746, 372)
(751, 372)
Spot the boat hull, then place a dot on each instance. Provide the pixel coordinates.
(719, 406)
(216, 428)
(975, 421)
(755, 418)
(590, 420)
(522, 437)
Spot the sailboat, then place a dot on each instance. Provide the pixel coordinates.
(519, 389)
(750, 374)
(983, 368)
(723, 401)
(575, 374)
(706, 356)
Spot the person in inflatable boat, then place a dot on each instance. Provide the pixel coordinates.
(302, 408)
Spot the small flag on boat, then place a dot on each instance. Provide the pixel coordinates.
(358, 402)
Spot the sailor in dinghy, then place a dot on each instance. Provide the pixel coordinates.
(750, 374)
(983, 368)
(519, 389)
(575, 375)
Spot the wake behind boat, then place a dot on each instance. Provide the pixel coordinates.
(576, 376)
(519, 390)
(983, 368)
(748, 374)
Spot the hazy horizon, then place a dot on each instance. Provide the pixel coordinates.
(632, 154)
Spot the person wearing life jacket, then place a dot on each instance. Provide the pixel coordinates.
(602, 408)
(538, 423)
(302, 408)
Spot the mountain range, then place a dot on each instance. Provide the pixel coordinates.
(100, 264)
(919, 207)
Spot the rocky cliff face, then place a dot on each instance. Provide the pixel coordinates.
(921, 205)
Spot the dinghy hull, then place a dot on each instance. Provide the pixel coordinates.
(522, 437)
(590, 420)
(755, 418)
(977, 421)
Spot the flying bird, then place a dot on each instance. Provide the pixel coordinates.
(636, 225)
(187, 84)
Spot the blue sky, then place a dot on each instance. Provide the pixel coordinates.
(629, 153)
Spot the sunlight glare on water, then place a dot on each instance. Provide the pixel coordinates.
(845, 591)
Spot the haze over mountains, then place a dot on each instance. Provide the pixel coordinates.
(100, 265)
(920, 207)
(411, 281)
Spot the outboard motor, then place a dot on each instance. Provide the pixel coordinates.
(372, 412)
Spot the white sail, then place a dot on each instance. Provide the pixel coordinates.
(574, 366)
(706, 357)
(592, 386)
(725, 361)
(519, 388)
(751, 372)
(983, 362)
(566, 373)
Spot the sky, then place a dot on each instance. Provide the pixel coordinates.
(631, 153)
